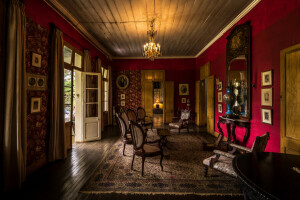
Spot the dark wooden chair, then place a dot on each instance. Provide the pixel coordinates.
(131, 115)
(141, 117)
(124, 116)
(182, 122)
(126, 137)
(222, 161)
(141, 147)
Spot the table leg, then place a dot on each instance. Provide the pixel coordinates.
(228, 132)
(233, 133)
(246, 136)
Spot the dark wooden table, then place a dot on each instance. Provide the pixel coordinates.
(268, 175)
(231, 124)
(163, 133)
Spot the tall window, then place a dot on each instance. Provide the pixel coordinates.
(105, 88)
(72, 61)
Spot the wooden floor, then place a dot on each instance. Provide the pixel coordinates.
(63, 179)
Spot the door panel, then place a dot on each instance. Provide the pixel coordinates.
(290, 101)
(169, 101)
(211, 104)
(91, 106)
(202, 104)
(148, 95)
(197, 103)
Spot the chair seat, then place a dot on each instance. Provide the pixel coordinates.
(175, 125)
(223, 164)
(150, 150)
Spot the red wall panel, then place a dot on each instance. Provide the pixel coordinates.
(275, 26)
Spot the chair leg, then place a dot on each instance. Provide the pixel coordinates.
(205, 171)
(161, 158)
(124, 149)
(133, 155)
(143, 160)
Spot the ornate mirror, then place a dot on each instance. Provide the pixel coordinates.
(238, 71)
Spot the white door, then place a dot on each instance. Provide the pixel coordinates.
(91, 106)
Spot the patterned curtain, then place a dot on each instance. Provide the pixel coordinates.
(15, 123)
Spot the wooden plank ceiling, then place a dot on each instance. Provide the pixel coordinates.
(184, 27)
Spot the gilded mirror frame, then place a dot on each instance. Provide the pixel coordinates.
(239, 44)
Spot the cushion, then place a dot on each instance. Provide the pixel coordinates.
(175, 125)
(224, 165)
(150, 148)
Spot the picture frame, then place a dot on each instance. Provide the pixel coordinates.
(266, 116)
(122, 103)
(36, 82)
(183, 100)
(219, 86)
(266, 78)
(266, 97)
(36, 60)
(184, 89)
(220, 97)
(123, 96)
(122, 82)
(35, 104)
(220, 108)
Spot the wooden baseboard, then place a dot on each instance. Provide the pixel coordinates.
(35, 166)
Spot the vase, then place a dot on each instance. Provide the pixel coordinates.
(229, 100)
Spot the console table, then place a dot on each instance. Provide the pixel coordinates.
(231, 124)
(266, 176)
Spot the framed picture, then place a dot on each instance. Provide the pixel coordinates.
(122, 96)
(219, 85)
(122, 103)
(184, 89)
(266, 97)
(122, 81)
(266, 116)
(35, 106)
(36, 60)
(36, 82)
(183, 100)
(220, 97)
(220, 108)
(266, 78)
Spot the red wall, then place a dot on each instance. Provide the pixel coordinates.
(275, 26)
(177, 70)
(42, 14)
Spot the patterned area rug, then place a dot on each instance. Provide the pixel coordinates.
(183, 172)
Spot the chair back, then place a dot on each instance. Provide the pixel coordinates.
(185, 114)
(131, 115)
(122, 127)
(124, 116)
(138, 135)
(141, 113)
(260, 143)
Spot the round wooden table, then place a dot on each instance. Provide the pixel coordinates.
(268, 175)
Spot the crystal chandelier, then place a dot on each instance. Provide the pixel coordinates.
(151, 50)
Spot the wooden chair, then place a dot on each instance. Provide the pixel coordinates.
(182, 122)
(131, 115)
(141, 117)
(126, 137)
(222, 161)
(124, 116)
(141, 147)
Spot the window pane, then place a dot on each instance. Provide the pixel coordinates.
(67, 113)
(105, 86)
(67, 55)
(91, 81)
(67, 95)
(105, 73)
(78, 59)
(92, 110)
(67, 78)
(91, 95)
(105, 96)
(106, 106)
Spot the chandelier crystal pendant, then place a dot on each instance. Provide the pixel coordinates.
(151, 50)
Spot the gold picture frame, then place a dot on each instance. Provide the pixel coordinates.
(184, 89)
(122, 81)
(266, 97)
(266, 78)
(36, 82)
(266, 116)
(220, 95)
(35, 104)
(36, 60)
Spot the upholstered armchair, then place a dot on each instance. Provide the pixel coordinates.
(141, 117)
(131, 115)
(141, 147)
(126, 137)
(181, 122)
(222, 161)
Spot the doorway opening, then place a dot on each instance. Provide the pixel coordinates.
(158, 101)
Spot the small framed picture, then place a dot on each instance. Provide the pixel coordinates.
(122, 103)
(219, 86)
(266, 116)
(36, 82)
(183, 89)
(266, 78)
(220, 97)
(122, 96)
(36, 60)
(266, 97)
(183, 100)
(220, 108)
(35, 106)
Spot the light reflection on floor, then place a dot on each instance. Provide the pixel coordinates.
(158, 121)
